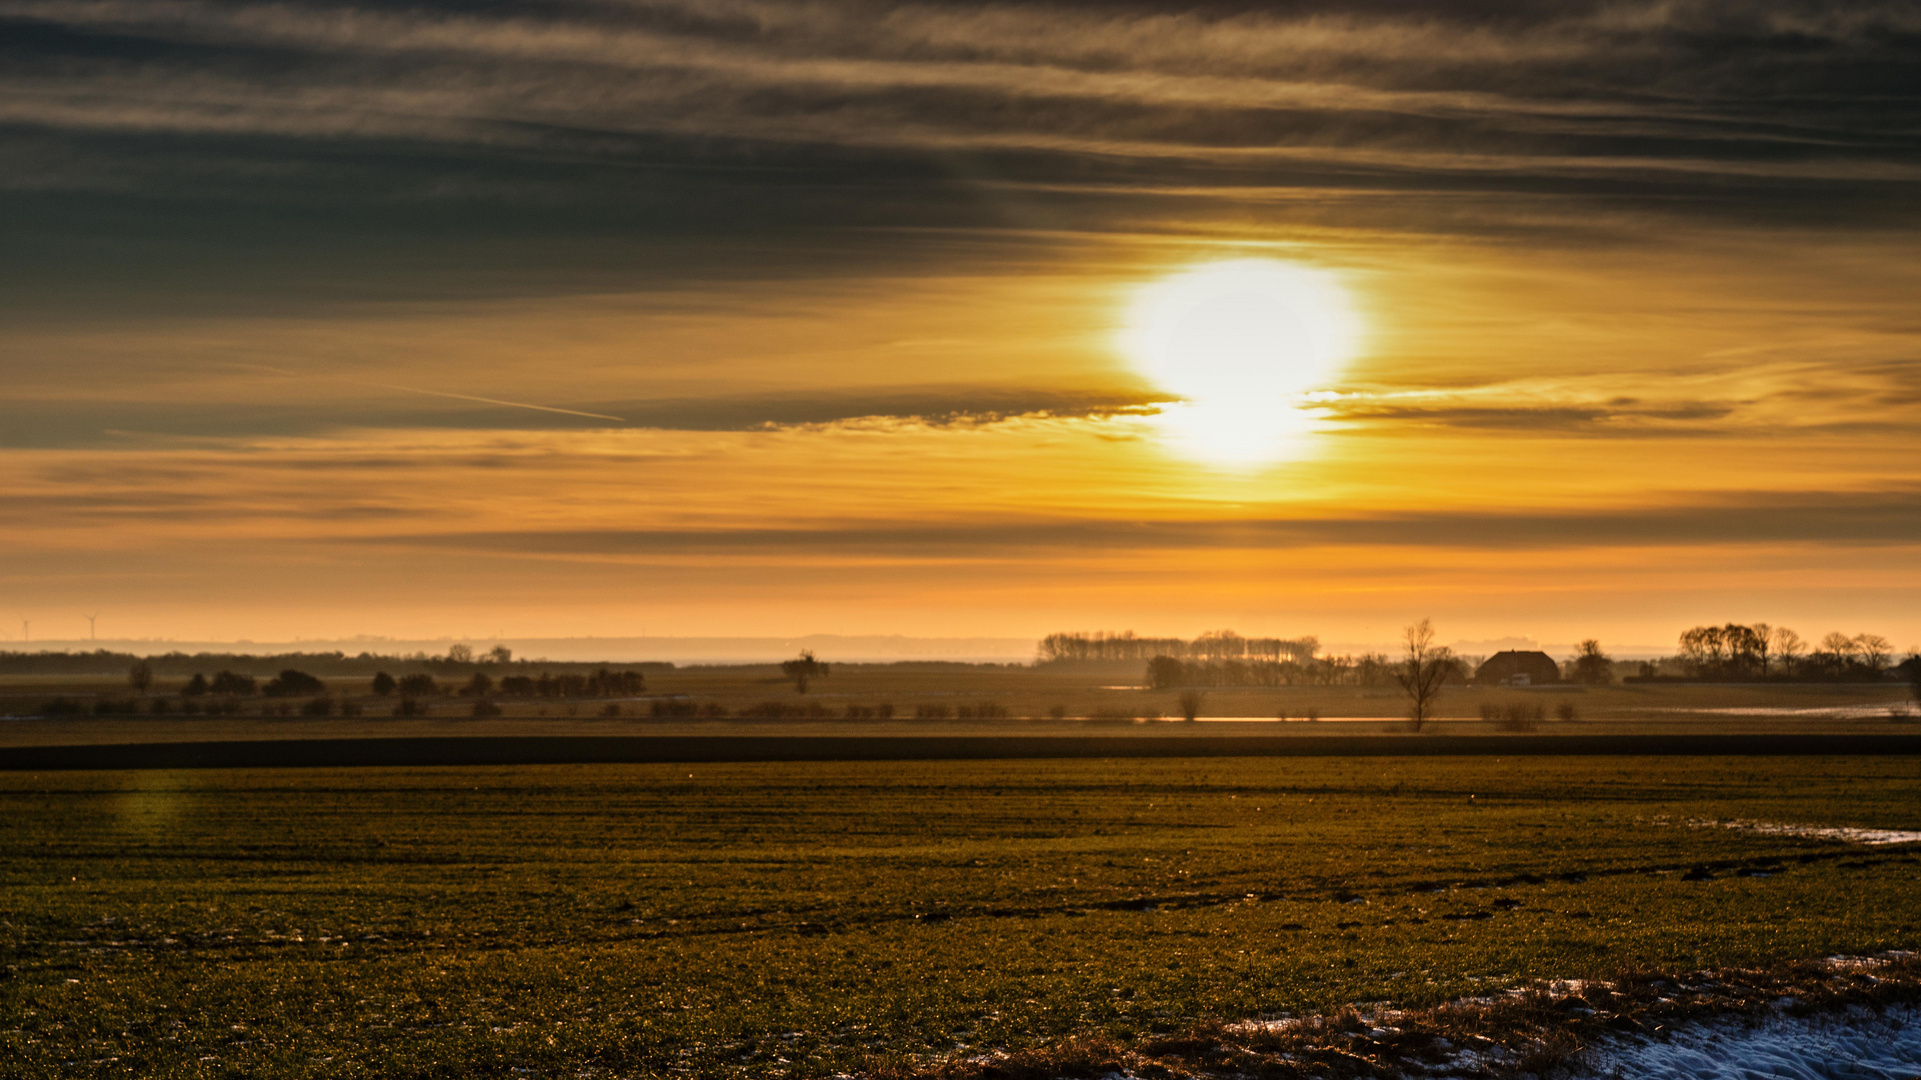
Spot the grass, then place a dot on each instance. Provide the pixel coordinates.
(803, 919)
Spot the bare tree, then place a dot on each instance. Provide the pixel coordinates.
(1841, 647)
(1423, 669)
(1763, 645)
(1788, 649)
(140, 676)
(1191, 703)
(1873, 651)
(803, 670)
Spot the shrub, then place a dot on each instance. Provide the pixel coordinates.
(1514, 715)
(1565, 711)
(383, 683)
(1191, 704)
(409, 707)
(611, 710)
(986, 710)
(517, 686)
(232, 683)
(930, 711)
(63, 707)
(485, 707)
(882, 711)
(674, 707)
(160, 707)
(349, 708)
(1057, 712)
(713, 710)
(195, 687)
(479, 686)
(417, 686)
(320, 706)
(291, 683)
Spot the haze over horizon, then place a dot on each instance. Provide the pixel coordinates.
(731, 318)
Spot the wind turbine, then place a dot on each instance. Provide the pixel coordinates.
(90, 619)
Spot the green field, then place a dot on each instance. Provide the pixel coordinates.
(808, 919)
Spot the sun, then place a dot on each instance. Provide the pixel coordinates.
(1242, 342)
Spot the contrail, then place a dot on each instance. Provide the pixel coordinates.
(488, 400)
(435, 393)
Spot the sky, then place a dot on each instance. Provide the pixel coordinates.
(723, 317)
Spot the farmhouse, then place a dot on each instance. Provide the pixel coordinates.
(1514, 667)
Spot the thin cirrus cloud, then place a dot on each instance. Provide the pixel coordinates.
(1568, 93)
(1889, 518)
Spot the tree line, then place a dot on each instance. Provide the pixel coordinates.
(1757, 652)
(458, 660)
(1368, 669)
(1217, 646)
(295, 683)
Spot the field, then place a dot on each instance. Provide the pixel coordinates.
(938, 698)
(807, 919)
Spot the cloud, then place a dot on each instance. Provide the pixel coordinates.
(1612, 419)
(1873, 518)
(28, 423)
(1653, 94)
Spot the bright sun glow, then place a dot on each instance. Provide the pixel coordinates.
(1242, 342)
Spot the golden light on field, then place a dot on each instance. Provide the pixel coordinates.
(1242, 342)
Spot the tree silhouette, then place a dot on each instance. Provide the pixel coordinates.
(291, 683)
(1788, 649)
(1424, 667)
(383, 683)
(803, 670)
(140, 677)
(228, 682)
(1592, 666)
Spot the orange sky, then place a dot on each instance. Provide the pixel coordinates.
(1617, 376)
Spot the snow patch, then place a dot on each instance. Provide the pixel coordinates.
(1880, 711)
(1821, 832)
(1858, 1044)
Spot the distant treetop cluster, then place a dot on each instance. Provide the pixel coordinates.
(1219, 645)
(1758, 652)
